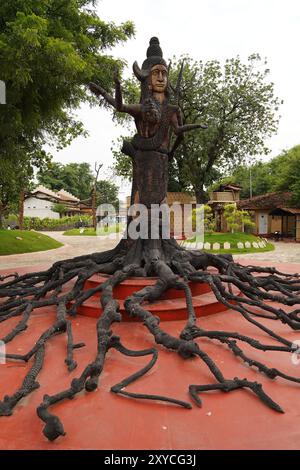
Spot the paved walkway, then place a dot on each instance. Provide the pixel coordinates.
(284, 253)
(80, 245)
(73, 246)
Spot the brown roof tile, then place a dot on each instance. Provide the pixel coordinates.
(267, 201)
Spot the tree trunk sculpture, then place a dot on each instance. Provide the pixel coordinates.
(156, 118)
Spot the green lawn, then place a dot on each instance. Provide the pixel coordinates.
(91, 232)
(30, 242)
(233, 239)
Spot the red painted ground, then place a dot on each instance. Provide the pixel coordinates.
(102, 420)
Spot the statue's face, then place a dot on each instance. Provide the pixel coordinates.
(159, 78)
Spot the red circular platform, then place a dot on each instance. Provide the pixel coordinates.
(103, 420)
(170, 307)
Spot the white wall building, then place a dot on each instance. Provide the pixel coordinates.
(42, 208)
(39, 203)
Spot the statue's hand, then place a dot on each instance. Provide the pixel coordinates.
(189, 127)
(148, 106)
(150, 112)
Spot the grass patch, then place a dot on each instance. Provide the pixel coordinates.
(90, 232)
(233, 239)
(78, 231)
(29, 243)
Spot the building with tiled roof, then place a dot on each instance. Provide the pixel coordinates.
(274, 212)
(39, 203)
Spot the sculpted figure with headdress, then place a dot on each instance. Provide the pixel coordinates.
(155, 119)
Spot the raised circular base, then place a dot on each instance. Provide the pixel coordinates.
(171, 306)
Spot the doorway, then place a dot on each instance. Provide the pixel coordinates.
(262, 223)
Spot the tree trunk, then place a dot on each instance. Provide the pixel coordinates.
(94, 194)
(21, 209)
(94, 208)
(150, 182)
(150, 177)
(201, 196)
(1, 214)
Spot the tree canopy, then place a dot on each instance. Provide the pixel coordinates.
(49, 51)
(239, 107)
(77, 178)
(107, 193)
(281, 173)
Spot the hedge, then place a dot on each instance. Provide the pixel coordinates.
(65, 223)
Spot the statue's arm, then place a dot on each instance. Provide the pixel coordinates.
(180, 129)
(117, 102)
(98, 90)
(132, 109)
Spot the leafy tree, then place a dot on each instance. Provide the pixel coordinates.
(281, 173)
(49, 51)
(107, 193)
(60, 208)
(209, 220)
(52, 176)
(8, 190)
(237, 219)
(77, 178)
(239, 107)
(15, 177)
(287, 168)
(260, 174)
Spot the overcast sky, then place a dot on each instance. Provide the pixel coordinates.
(204, 29)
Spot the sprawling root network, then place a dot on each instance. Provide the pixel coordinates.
(174, 267)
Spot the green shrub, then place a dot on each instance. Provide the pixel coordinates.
(208, 218)
(236, 219)
(59, 208)
(65, 223)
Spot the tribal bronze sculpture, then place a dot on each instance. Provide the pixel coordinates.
(157, 116)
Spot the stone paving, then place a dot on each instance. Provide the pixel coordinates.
(79, 245)
(285, 252)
